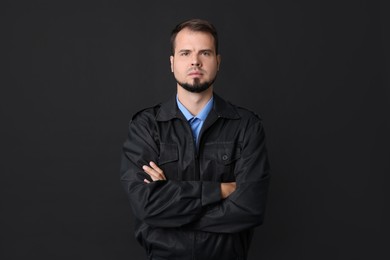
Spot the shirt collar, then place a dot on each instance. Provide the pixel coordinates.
(221, 108)
(202, 115)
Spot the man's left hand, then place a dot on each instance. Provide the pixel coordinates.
(154, 172)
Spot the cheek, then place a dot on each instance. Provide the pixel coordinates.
(178, 68)
(213, 71)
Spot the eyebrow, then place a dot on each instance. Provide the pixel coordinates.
(188, 50)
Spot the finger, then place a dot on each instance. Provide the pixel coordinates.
(146, 181)
(152, 173)
(157, 169)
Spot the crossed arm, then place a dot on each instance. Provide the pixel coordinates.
(156, 174)
(200, 205)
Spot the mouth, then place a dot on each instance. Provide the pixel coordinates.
(195, 73)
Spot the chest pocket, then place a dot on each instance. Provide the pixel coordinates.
(219, 161)
(168, 160)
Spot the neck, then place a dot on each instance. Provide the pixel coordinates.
(194, 102)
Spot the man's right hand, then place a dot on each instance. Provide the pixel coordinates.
(227, 188)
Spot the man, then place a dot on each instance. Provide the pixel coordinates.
(195, 167)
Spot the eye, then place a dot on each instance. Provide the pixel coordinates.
(206, 53)
(184, 53)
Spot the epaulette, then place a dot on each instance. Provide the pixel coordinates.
(249, 110)
(144, 109)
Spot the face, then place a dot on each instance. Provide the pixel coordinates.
(194, 63)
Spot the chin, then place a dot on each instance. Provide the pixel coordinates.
(196, 86)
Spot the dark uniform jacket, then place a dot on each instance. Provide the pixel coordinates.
(184, 217)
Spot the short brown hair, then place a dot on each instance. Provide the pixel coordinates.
(197, 25)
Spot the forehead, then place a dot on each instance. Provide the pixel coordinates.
(194, 39)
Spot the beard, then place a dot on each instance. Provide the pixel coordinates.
(196, 86)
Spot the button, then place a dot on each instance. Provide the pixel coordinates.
(225, 157)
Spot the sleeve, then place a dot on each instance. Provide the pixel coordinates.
(159, 203)
(245, 207)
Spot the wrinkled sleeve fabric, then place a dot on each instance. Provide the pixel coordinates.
(245, 207)
(159, 203)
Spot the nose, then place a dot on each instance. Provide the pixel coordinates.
(195, 61)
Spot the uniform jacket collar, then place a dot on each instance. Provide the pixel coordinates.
(169, 110)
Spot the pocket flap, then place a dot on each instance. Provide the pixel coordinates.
(168, 153)
(224, 153)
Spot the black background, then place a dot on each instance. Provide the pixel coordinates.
(73, 73)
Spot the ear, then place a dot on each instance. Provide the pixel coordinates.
(218, 61)
(171, 60)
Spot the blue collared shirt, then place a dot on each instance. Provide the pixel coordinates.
(196, 122)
